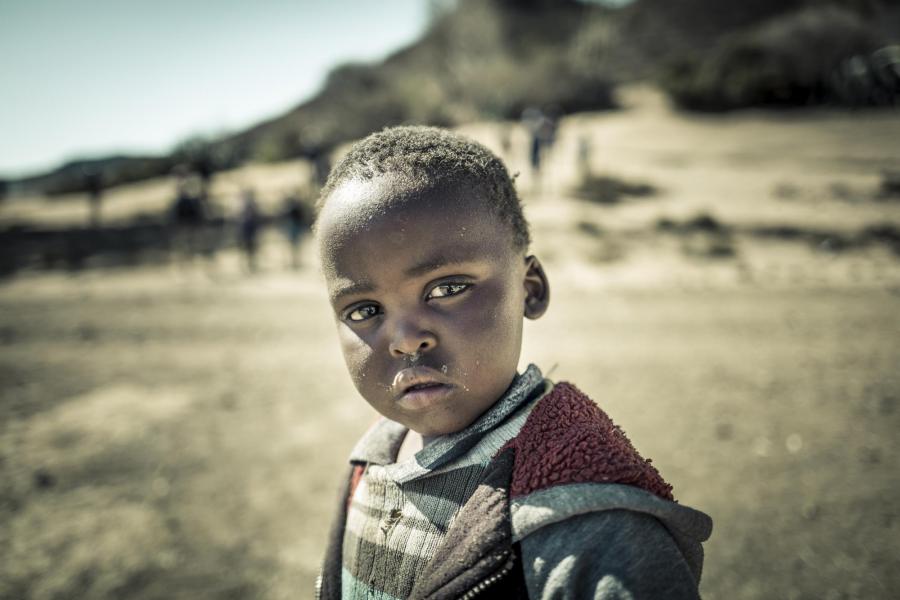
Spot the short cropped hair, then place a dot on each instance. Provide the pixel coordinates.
(432, 156)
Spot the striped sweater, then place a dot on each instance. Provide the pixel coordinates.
(542, 497)
(399, 512)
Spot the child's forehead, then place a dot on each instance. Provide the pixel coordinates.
(364, 220)
(354, 205)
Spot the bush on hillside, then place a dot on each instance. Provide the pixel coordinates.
(75, 176)
(788, 61)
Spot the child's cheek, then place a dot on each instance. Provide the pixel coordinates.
(495, 334)
(357, 353)
(494, 317)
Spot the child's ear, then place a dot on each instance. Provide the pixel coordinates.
(537, 288)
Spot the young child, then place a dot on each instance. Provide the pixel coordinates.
(478, 480)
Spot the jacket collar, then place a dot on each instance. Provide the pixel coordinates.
(382, 442)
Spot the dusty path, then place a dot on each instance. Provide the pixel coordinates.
(191, 434)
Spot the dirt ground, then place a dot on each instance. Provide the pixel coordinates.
(178, 431)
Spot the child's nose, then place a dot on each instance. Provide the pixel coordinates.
(411, 340)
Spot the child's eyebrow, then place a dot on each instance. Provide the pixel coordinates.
(434, 263)
(423, 267)
(351, 289)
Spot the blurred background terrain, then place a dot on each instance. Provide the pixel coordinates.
(714, 189)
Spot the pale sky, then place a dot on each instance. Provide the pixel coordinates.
(82, 78)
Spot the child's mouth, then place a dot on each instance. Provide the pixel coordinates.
(424, 395)
(423, 386)
(420, 387)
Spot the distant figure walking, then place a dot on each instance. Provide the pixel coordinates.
(188, 216)
(542, 135)
(93, 183)
(531, 119)
(248, 227)
(505, 135)
(294, 224)
(585, 152)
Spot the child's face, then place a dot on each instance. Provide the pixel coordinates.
(429, 295)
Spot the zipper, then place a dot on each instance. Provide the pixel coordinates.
(497, 576)
(318, 595)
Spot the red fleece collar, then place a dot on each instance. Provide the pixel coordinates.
(568, 439)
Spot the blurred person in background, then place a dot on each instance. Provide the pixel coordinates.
(93, 183)
(294, 219)
(188, 216)
(541, 126)
(248, 227)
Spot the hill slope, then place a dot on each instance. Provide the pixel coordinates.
(489, 59)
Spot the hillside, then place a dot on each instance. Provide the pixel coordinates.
(490, 59)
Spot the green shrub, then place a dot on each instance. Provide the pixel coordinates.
(787, 61)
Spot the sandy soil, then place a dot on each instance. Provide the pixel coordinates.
(178, 431)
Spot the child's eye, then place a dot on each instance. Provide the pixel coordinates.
(447, 289)
(362, 313)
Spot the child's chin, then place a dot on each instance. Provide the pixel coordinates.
(431, 430)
